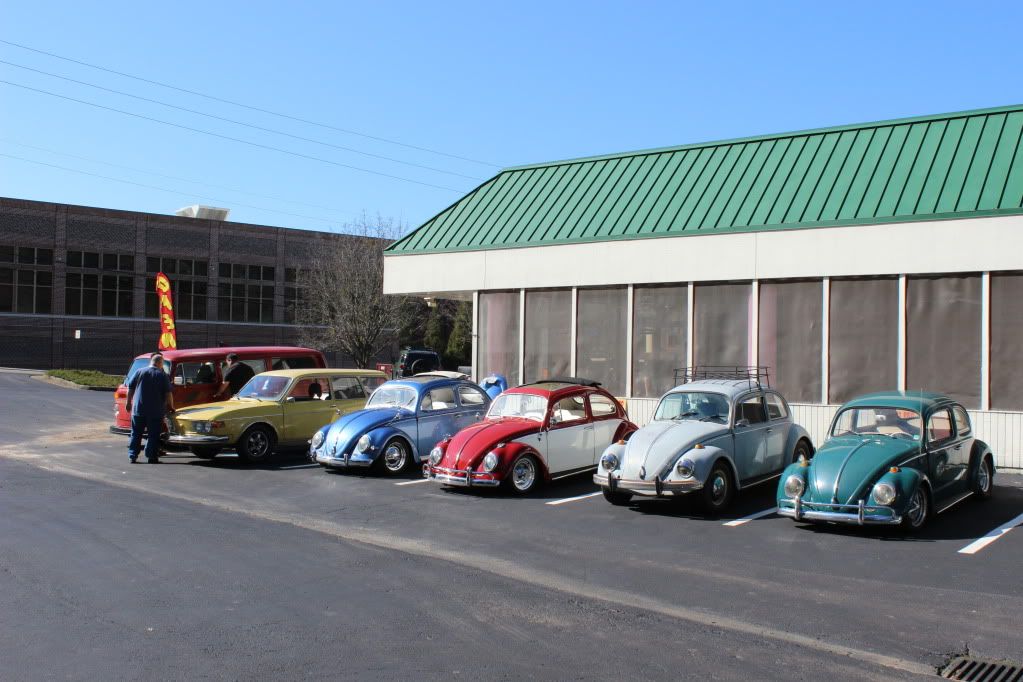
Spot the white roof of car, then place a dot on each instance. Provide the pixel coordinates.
(729, 387)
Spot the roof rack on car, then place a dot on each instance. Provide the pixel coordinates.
(755, 374)
(566, 380)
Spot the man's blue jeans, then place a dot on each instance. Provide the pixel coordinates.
(153, 426)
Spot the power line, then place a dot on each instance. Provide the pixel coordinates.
(248, 106)
(169, 191)
(173, 177)
(233, 139)
(240, 123)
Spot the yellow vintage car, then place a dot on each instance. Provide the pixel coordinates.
(278, 408)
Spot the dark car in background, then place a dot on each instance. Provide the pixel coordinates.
(414, 361)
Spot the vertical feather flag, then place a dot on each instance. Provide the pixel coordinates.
(168, 334)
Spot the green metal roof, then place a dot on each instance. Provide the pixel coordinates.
(935, 167)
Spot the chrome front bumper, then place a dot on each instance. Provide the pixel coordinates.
(179, 439)
(342, 461)
(652, 488)
(853, 514)
(460, 477)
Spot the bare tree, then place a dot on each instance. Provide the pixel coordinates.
(341, 305)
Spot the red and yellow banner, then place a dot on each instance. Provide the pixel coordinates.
(165, 309)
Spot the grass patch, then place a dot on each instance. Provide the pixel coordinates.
(87, 377)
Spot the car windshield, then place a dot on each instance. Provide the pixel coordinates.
(262, 387)
(393, 396)
(523, 405)
(696, 405)
(877, 421)
(141, 363)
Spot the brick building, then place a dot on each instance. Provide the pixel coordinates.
(67, 269)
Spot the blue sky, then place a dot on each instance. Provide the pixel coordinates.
(501, 83)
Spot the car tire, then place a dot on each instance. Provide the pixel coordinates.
(802, 448)
(395, 457)
(618, 499)
(256, 444)
(205, 451)
(984, 481)
(914, 517)
(718, 490)
(523, 475)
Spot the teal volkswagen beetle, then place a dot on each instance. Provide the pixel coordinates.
(893, 458)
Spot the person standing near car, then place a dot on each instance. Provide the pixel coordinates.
(150, 397)
(236, 375)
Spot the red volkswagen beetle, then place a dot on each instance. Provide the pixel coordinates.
(532, 433)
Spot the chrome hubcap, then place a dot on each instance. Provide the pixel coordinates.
(917, 509)
(523, 474)
(718, 487)
(984, 477)
(257, 444)
(394, 457)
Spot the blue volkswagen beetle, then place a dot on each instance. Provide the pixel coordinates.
(401, 423)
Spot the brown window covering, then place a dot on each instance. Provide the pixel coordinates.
(1006, 333)
(943, 336)
(659, 331)
(499, 335)
(600, 337)
(721, 324)
(548, 334)
(864, 337)
(790, 338)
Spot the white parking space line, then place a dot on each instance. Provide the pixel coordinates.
(422, 480)
(983, 542)
(747, 519)
(573, 499)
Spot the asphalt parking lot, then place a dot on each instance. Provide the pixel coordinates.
(654, 590)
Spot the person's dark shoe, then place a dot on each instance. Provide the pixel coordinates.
(133, 458)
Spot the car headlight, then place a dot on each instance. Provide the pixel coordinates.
(318, 439)
(490, 461)
(685, 468)
(609, 462)
(363, 444)
(435, 456)
(884, 493)
(794, 486)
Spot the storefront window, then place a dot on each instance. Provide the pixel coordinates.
(790, 338)
(863, 354)
(943, 336)
(660, 317)
(498, 338)
(721, 324)
(600, 337)
(1006, 332)
(548, 334)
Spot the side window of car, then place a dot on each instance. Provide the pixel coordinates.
(775, 406)
(939, 427)
(258, 365)
(187, 373)
(346, 388)
(962, 421)
(471, 397)
(438, 399)
(752, 410)
(569, 409)
(294, 362)
(370, 384)
(310, 389)
(601, 406)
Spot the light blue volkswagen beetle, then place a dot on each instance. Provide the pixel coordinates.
(709, 436)
(401, 423)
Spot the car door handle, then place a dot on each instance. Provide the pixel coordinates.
(769, 430)
(958, 447)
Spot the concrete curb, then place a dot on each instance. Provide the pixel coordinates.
(69, 384)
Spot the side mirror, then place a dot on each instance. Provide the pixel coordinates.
(179, 381)
(290, 399)
(742, 423)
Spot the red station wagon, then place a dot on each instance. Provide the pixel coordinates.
(198, 372)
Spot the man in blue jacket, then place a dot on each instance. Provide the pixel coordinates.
(150, 397)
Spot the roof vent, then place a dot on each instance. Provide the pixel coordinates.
(203, 212)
